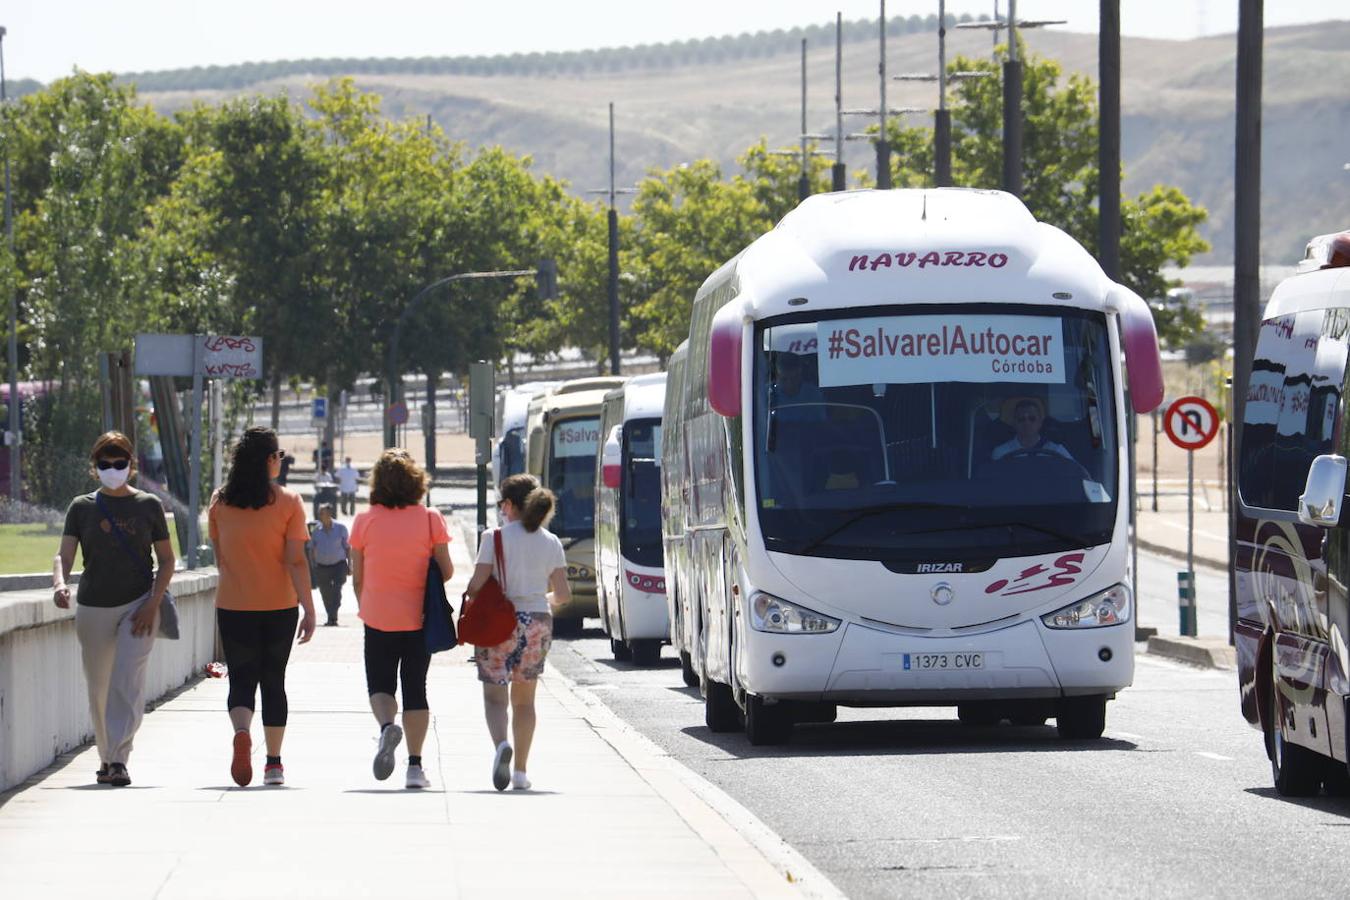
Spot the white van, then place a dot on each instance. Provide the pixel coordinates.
(902, 467)
(630, 580)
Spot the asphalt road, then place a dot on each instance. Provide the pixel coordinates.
(1174, 801)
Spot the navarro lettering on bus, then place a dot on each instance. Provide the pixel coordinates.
(966, 259)
(913, 349)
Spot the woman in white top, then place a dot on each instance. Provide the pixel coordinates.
(535, 580)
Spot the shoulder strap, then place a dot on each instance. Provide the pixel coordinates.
(121, 538)
(499, 553)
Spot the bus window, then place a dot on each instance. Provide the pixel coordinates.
(870, 443)
(1293, 401)
(512, 453)
(641, 533)
(571, 476)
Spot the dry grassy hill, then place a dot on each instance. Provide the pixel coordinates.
(1177, 100)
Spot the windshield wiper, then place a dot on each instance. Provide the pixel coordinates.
(865, 511)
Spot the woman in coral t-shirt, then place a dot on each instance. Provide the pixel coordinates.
(258, 529)
(391, 543)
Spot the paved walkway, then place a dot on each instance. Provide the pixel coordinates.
(610, 816)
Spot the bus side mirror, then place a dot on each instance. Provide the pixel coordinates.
(1140, 340)
(611, 460)
(1324, 492)
(724, 361)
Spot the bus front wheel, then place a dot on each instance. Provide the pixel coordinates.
(1081, 718)
(687, 669)
(645, 653)
(620, 650)
(1296, 771)
(720, 712)
(767, 723)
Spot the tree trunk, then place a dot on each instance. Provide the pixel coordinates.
(276, 400)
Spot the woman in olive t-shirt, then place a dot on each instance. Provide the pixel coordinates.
(117, 605)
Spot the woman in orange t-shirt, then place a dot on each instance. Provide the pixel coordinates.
(391, 543)
(258, 530)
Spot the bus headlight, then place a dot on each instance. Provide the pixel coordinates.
(1110, 607)
(769, 613)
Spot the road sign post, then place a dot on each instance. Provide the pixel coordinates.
(482, 405)
(199, 356)
(1190, 423)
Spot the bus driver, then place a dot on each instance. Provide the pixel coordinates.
(1028, 419)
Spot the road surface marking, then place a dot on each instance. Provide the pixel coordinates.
(1217, 756)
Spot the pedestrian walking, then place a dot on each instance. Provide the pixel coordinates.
(534, 580)
(259, 534)
(330, 560)
(348, 479)
(391, 543)
(117, 605)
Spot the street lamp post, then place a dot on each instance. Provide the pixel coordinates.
(15, 431)
(612, 285)
(546, 272)
(804, 181)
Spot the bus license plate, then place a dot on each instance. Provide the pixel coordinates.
(939, 662)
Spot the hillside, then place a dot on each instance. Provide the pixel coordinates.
(676, 105)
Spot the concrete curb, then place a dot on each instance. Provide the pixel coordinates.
(1208, 653)
(765, 862)
(1174, 553)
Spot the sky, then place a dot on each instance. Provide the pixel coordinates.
(48, 38)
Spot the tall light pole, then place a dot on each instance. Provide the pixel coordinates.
(805, 151)
(613, 282)
(942, 118)
(883, 145)
(838, 178)
(16, 432)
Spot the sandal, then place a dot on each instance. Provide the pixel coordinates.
(102, 776)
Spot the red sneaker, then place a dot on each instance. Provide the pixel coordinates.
(274, 775)
(241, 766)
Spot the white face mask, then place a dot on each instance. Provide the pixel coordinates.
(114, 478)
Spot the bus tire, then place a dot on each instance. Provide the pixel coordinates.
(1081, 718)
(720, 712)
(567, 627)
(645, 653)
(1296, 771)
(687, 669)
(620, 650)
(979, 714)
(767, 724)
(1336, 779)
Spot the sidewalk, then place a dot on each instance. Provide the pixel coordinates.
(610, 814)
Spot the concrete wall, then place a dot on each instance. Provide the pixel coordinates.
(44, 707)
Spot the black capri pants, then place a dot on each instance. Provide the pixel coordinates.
(257, 646)
(393, 656)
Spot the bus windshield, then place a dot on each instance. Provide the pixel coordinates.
(640, 537)
(938, 432)
(571, 476)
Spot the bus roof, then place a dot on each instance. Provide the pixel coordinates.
(576, 385)
(644, 396)
(867, 248)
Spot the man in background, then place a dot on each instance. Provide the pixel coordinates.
(348, 479)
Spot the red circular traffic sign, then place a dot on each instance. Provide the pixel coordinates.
(1191, 422)
(397, 413)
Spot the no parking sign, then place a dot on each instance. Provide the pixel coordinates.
(1191, 422)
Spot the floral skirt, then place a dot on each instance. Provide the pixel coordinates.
(521, 656)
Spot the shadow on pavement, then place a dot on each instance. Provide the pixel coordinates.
(1339, 806)
(908, 737)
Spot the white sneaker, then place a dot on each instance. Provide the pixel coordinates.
(417, 778)
(384, 757)
(520, 781)
(501, 766)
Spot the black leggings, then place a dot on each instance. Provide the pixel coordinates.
(257, 647)
(385, 652)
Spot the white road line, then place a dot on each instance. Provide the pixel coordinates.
(1217, 756)
(1127, 735)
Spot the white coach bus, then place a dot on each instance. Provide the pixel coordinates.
(630, 579)
(903, 435)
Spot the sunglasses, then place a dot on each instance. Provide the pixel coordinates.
(118, 464)
(279, 454)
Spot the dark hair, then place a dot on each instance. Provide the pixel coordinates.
(249, 484)
(114, 444)
(534, 503)
(397, 481)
